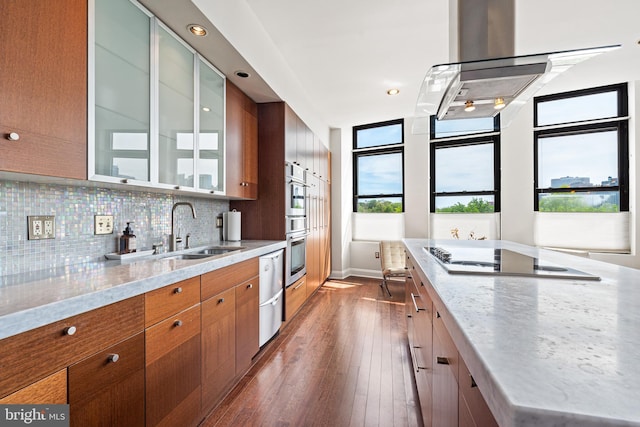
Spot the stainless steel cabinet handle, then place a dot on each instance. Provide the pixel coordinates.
(418, 309)
(177, 290)
(442, 360)
(70, 330)
(13, 136)
(177, 323)
(301, 283)
(113, 358)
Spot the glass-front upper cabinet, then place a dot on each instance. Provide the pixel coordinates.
(122, 115)
(211, 129)
(175, 117)
(159, 110)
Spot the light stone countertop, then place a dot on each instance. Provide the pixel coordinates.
(28, 301)
(561, 352)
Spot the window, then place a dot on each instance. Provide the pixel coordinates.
(378, 167)
(465, 165)
(581, 151)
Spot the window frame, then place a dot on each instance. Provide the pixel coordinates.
(377, 150)
(619, 123)
(462, 141)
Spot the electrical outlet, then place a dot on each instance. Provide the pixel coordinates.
(41, 227)
(103, 224)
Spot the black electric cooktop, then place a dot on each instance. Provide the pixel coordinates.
(495, 262)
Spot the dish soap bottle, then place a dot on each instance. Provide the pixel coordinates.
(127, 240)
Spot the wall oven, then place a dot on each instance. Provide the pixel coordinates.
(296, 223)
(295, 191)
(296, 259)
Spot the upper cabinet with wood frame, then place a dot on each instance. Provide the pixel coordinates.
(242, 144)
(43, 82)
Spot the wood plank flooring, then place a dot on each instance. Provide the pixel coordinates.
(342, 361)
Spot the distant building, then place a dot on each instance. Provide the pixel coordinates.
(611, 182)
(571, 181)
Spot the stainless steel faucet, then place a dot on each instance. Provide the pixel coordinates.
(173, 238)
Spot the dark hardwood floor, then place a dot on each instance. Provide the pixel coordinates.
(342, 361)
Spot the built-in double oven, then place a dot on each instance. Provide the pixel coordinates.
(296, 222)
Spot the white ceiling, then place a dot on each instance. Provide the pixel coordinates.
(343, 55)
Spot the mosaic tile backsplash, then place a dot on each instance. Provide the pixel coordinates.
(74, 209)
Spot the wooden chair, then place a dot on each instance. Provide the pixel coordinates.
(392, 261)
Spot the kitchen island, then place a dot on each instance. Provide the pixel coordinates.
(542, 350)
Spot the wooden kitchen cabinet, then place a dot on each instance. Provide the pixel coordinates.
(43, 82)
(52, 389)
(107, 389)
(241, 145)
(218, 347)
(247, 323)
(173, 367)
(168, 300)
(294, 296)
(445, 386)
(230, 327)
(419, 328)
(472, 408)
(57, 345)
(448, 393)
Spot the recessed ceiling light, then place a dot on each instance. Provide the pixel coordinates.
(242, 74)
(468, 106)
(393, 91)
(499, 104)
(197, 30)
(206, 109)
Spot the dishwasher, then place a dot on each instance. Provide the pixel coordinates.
(271, 294)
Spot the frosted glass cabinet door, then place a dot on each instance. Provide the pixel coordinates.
(176, 116)
(211, 132)
(122, 118)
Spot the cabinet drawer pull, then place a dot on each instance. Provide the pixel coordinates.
(113, 358)
(442, 360)
(473, 382)
(438, 314)
(70, 330)
(250, 285)
(177, 290)
(418, 309)
(13, 136)
(221, 300)
(301, 283)
(177, 323)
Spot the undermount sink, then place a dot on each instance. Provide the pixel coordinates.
(217, 250)
(188, 256)
(205, 253)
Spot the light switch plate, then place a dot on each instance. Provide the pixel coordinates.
(41, 227)
(103, 224)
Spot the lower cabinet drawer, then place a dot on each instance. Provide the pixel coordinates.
(295, 295)
(448, 353)
(108, 387)
(52, 389)
(57, 345)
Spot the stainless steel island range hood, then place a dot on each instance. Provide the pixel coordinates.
(487, 78)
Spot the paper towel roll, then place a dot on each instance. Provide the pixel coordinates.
(231, 225)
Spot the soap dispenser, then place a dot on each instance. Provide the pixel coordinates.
(127, 240)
